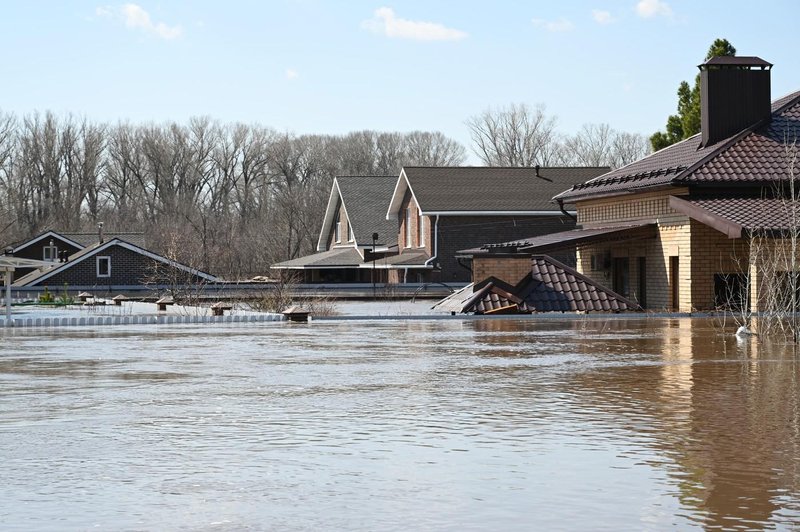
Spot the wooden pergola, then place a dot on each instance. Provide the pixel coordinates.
(8, 265)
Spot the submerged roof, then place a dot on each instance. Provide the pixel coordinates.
(755, 155)
(550, 287)
(482, 189)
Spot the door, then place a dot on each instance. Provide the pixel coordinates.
(642, 295)
(621, 276)
(674, 282)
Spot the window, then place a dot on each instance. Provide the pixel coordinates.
(421, 230)
(730, 291)
(338, 229)
(409, 217)
(50, 253)
(104, 266)
(349, 233)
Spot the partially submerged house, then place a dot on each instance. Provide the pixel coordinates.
(676, 229)
(440, 210)
(355, 234)
(54, 246)
(548, 286)
(114, 264)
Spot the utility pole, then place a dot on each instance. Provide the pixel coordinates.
(374, 240)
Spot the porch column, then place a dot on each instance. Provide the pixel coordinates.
(755, 288)
(8, 294)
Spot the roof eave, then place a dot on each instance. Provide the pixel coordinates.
(397, 196)
(328, 218)
(729, 228)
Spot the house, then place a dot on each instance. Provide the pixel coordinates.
(354, 234)
(53, 246)
(113, 264)
(440, 210)
(676, 229)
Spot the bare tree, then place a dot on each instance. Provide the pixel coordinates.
(517, 135)
(426, 148)
(237, 197)
(600, 145)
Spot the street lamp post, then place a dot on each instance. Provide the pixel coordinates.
(374, 240)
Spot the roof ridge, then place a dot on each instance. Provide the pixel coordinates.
(369, 175)
(506, 167)
(733, 140)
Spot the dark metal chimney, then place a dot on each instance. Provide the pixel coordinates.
(734, 95)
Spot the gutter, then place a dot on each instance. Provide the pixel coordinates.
(564, 211)
(435, 243)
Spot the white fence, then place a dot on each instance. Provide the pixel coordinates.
(137, 320)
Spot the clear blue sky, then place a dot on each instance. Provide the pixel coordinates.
(312, 66)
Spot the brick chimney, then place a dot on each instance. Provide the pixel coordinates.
(734, 95)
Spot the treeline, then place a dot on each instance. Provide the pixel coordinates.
(228, 198)
(233, 199)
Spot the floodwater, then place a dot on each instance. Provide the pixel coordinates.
(513, 424)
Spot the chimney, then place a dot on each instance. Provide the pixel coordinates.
(734, 95)
(100, 231)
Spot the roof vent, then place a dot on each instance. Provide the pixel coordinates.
(734, 95)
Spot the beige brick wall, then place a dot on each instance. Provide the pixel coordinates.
(508, 269)
(712, 253)
(702, 251)
(620, 209)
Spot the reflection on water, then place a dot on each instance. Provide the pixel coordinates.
(488, 424)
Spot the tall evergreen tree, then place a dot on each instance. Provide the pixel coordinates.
(687, 122)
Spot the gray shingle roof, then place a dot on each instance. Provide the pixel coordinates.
(756, 154)
(478, 188)
(337, 257)
(406, 258)
(83, 239)
(365, 199)
(86, 239)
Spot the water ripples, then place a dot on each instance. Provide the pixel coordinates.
(506, 424)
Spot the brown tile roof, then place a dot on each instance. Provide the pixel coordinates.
(550, 287)
(732, 214)
(755, 155)
(480, 188)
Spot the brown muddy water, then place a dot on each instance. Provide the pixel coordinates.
(517, 424)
